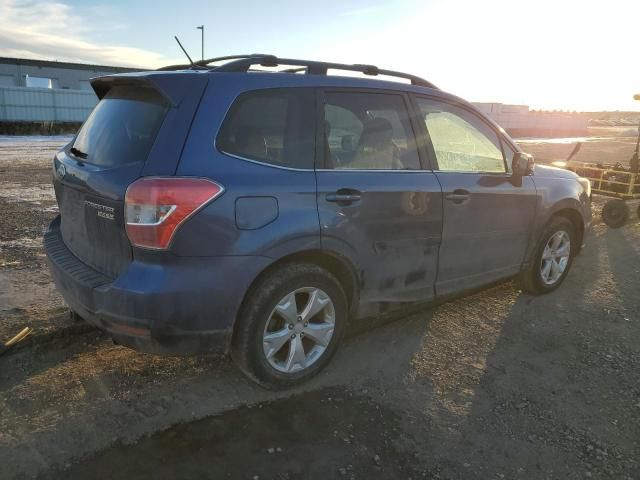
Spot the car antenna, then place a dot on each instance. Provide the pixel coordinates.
(185, 52)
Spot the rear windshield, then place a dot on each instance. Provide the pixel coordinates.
(122, 127)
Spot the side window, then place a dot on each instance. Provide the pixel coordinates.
(368, 131)
(274, 126)
(462, 142)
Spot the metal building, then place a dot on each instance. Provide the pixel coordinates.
(44, 91)
(519, 121)
(20, 72)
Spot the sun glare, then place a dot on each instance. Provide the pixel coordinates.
(568, 55)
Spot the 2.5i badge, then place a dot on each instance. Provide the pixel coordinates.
(102, 211)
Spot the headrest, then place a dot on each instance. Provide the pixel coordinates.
(376, 133)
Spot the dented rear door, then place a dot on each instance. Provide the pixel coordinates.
(377, 204)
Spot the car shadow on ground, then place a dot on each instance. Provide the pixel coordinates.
(382, 407)
(420, 366)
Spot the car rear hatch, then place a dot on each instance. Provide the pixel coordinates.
(137, 129)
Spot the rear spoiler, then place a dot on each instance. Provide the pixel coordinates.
(171, 86)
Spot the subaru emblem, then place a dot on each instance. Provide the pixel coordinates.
(61, 170)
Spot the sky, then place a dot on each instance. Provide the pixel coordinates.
(548, 54)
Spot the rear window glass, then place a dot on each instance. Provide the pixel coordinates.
(122, 127)
(272, 126)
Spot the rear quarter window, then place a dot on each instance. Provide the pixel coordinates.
(122, 127)
(273, 126)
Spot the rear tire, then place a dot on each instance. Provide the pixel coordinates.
(542, 276)
(278, 340)
(615, 213)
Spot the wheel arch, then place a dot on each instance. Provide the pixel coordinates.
(575, 217)
(336, 264)
(567, 209)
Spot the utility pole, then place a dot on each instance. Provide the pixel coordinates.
(201, 28)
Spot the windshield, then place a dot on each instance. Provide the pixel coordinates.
(122, 127)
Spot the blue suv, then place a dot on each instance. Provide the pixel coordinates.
(231, 208)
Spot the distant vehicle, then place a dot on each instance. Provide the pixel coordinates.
(206, 208)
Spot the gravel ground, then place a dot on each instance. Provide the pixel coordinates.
(494, 385)
(28, 204)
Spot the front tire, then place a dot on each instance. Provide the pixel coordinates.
(290, 325)
(552, 259)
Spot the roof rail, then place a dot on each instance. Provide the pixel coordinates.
(184, 66)
(202, 64)
(243, 63)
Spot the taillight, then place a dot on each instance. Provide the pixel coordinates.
(156, 207)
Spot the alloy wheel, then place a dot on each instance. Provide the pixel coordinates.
(299, 329)
(555, 257)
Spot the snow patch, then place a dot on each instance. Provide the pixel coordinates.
(16, 192)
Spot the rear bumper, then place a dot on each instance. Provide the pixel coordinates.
(135, 334)
(175, 306)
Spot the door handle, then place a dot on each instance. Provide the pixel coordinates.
(458, 196)
(343, 196)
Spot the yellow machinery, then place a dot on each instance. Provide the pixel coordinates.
(616, 181)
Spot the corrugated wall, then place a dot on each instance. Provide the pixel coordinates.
(23, 104)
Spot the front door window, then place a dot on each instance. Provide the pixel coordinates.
(461, 142)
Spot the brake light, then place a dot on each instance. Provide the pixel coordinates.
(156, 207)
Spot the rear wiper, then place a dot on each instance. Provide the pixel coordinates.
(78, 153)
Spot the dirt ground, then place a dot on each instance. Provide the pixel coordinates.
(28, 205)
(494, 385)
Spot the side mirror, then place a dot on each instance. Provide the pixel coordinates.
(522, 164)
